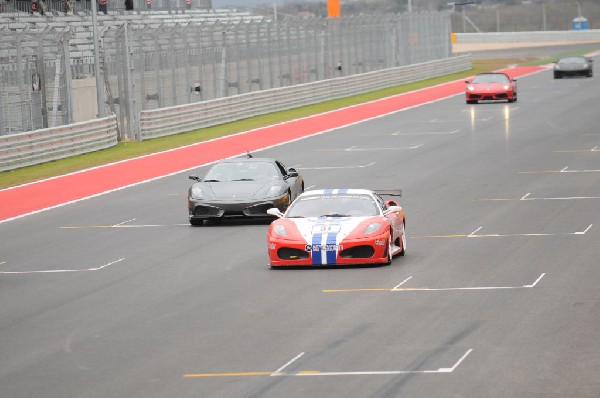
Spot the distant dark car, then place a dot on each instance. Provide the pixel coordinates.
(491, 87)
(242, 187)
(573, 66)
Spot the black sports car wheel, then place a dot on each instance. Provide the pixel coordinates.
(472, 101)
(196, 222)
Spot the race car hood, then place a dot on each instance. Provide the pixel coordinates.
(330, 230)
(572, 66)
(237, 189)
(489, 86)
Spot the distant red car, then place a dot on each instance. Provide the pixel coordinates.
(491, 87)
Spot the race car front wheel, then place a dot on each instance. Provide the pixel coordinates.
(403, 252)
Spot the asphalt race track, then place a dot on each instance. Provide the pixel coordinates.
(117, 296)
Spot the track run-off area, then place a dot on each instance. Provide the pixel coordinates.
(107, 290)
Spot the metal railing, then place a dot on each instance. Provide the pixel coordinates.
(566, 36)
(178, 119)
(26, 149)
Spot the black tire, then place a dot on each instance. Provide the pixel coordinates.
(389, 250)
(403, 252)
(196, 222)
(472, 102)
(590, 73)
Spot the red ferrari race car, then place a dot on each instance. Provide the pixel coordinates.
(333, 227)
(492, 87)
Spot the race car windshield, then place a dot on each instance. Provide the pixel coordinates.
(333, 206)
(242, 171)
(490, 78)
(572, 60)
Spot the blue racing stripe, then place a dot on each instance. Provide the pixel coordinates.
(331, 254)
(316, 254)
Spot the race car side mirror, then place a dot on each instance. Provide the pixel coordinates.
(274, 211)
(467, 81)
(392, 209)
(292, 172)
(195, 178)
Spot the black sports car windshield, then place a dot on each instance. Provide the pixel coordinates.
(242, 171)
(573, 60)
(333, 206)
(491, 78)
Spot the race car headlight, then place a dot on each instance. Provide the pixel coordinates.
(373, 227)
(585, 65)
(506, 86)
(275, 190)
(280, 230)
(196, 193)
(471, 88)
(556, 66)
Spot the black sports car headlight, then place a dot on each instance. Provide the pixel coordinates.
(196, 192)
(275, 191)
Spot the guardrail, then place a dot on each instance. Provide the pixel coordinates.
(569, 36)
(177, 119)
(26, 149)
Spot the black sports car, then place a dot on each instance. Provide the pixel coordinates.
(573, 66)
(243, 187)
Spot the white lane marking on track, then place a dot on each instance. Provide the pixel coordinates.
(337, 167)
(354, 148)
(124, 222)
(527, 198)
(398, 133)
(563, 170)
(278, 371)
(385, 372)
(584, 232)
(450, 370)
(434, 289)
(402, 283)
(474, 232)
(129, 226)
(63, 270)
(536, 281)
(594, 149)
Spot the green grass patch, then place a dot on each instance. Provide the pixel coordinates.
(128, 150)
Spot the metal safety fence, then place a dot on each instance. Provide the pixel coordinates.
(35, 79)
(47, 70)
(174, 65)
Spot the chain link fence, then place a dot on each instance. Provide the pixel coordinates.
(149, 69)
(35, 80)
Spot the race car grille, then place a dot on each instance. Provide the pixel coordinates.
(358, 252)
(206, 211)
(287, 253)
(502, 95)
(258, 209)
